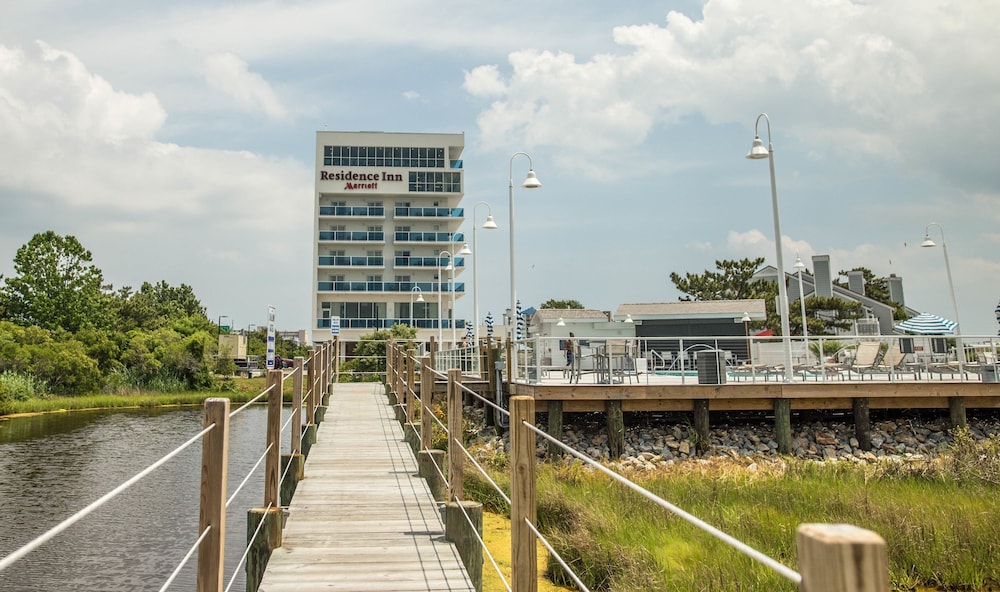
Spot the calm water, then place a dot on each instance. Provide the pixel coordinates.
(53, 465)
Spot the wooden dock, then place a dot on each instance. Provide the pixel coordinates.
(362, 519)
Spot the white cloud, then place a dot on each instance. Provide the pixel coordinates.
(411, 95)
(895, 80)
(230, 75)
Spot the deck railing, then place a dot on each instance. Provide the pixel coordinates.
(310, 385)
(831, 557)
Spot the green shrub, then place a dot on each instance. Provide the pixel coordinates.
(20, 387)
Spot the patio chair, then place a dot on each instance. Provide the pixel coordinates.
(867, 356)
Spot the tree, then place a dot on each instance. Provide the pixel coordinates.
(55, 287)
(369, 354)
(562, 304)
(159, 305)
(733, 281)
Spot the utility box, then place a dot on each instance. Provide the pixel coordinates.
(711, 367)
(235, 345)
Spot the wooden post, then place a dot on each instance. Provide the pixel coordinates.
(783, 425)
(863, 422)
(456, 488)
(389, 361)
(956, 411)
(272, 462)
(296, 447)
(411, 383)
(701, 424)
(510, 364)
(336, 359)
(311, 380)
(212, 514)
(523, 555)
(426, 394)
(616, 429)
(555, 427)
(433, 351)
(842, 558)
(493, 356)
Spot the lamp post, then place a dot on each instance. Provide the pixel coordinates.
(488, 225)
(454, 325)
(799, 266)
(960, 350)
(440, 296)
(757, 152)
(530, 182)
(745, 319)
(219, 323)
(420, 298)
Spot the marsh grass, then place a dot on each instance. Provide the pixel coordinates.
(237, 390)
(938, 518)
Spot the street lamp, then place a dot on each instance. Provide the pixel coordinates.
(960, 350)
(757, 152)
(488, 225)
(219, 324)
(454, 336)
(420, 298)
(799, 266)
(531, 182)
(450, 267)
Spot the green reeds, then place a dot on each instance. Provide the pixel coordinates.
(937, 517)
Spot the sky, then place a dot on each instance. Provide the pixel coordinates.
(175, 140)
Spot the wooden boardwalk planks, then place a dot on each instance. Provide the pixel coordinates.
(361, 519)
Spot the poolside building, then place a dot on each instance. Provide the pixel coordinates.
(385, 233)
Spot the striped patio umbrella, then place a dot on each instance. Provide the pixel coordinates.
(520, 322)
(489, 325)
(998, 315)
(926, 323)
(468, 333)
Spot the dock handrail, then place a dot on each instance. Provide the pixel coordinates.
(210, 542)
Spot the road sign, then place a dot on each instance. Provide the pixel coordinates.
(334, 325)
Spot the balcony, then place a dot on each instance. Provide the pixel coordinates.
(352, 211)
(426, 262)
(352, 261)
(387, 323)
(429, 237)
(347, 236)
(394, 287)
(429, 213)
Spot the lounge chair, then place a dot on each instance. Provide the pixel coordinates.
(867, 357)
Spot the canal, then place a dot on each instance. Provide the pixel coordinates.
(53, 465)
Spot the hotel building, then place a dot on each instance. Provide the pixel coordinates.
(385, 230)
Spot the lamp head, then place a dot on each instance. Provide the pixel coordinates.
(757, 150)
(465, 250)
(420, 296)
(532, 181)
(561, 323)
(628, 318)
(928, 242)
(489, 224)
(746, 318)
(799, 265)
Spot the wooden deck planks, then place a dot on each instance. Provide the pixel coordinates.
(361, 519)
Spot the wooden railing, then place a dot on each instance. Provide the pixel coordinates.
(831, 557)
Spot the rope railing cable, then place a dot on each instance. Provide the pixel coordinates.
(251, 401)
(474, 529)
(483, 472)
(253, 470)
(559, 558)
(780, 568)
(52, 532)
(236, 571)
(484, 400)
(187, 557)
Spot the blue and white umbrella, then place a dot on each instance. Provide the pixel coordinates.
(520, 322)
(998, 315)
(926, 323)
(489, 325)
(468, 333)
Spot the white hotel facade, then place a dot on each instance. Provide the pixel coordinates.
(385, 229)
